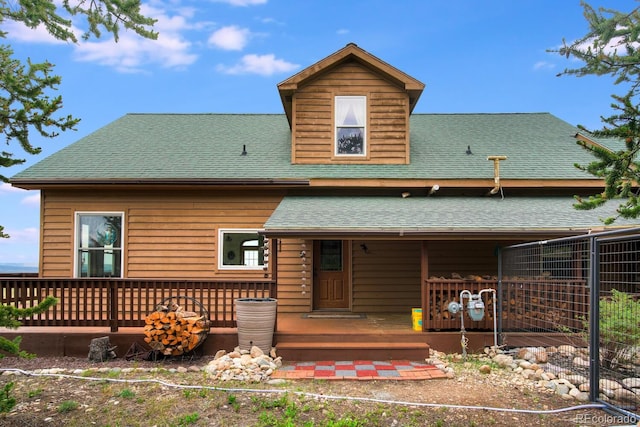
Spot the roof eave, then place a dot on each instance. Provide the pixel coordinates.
(34, 184)
(426, 232)
(288, 87)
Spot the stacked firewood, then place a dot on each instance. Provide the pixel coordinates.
(552, 311)
(173, 331)
(439, 308)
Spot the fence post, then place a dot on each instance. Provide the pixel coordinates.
(113, 305)
(594, 319)
(499, 298)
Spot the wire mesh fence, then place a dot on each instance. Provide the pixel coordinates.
(580, 299)
(618, 311)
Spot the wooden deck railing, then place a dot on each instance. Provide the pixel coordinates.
(438, 293)
(126, 302)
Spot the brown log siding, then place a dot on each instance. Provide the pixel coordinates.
(478, 258)
(387, 277)
(387, 111)
(290, 296)
(168, 234)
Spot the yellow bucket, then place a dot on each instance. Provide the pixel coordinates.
(416, 317)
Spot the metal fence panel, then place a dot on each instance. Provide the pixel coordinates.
(580, 299)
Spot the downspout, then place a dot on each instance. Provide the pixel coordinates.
(496, 173)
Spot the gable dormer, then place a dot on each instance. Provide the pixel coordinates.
(350, 108)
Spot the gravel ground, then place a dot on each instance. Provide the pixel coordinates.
(470, 398)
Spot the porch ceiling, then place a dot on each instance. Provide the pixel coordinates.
(426, 216)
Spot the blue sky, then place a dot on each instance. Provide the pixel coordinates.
(227, 56)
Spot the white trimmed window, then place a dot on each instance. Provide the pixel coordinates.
(241, 249)
(350, 124)
(99, 244)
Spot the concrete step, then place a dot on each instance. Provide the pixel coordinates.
(286, 337)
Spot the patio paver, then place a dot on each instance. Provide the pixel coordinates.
(359, 370)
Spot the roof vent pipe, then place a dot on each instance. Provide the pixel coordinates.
(496, 173)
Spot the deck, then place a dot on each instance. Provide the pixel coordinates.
(90, 308)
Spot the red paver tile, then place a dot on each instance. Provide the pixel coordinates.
(385, 368)
(367, 373)
(305, 368)
(323, 374)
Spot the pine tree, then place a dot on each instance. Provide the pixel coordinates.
(9, 316)
(611, 48)
(25, 104)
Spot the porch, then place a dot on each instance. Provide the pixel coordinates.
(387, 336)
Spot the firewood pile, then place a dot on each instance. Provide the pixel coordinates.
(173, 331)
(537, 308)
(439, 307)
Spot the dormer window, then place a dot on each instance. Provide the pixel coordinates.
(350, 122)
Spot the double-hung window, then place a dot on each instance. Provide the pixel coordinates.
(350, 125)
(241, 249)
(99, 244)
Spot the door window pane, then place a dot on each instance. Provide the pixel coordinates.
(331, 255)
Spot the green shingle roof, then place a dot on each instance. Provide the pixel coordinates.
(403, 216)
(209, 146)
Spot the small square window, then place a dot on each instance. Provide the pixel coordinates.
(350, 123)
(241, 249)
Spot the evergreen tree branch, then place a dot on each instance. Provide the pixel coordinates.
(611, 48)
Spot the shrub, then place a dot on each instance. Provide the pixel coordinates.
(9, 316)
(619, 328)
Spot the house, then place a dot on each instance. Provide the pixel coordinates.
(348, 200)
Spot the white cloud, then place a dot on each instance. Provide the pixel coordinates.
(32, 200)
(25, 235)
(242, 2)
(230, 38)
(269, 20)
(7, 188)
(20, 32)
(265, 65)
(616, 45)
(132, 52)
(21, 247)
(342, 31)
(543, 65)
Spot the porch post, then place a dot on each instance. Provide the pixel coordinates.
(273, 266)
(594, 319)
(113, 305)
(424, 275)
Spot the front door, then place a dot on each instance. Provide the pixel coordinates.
(330, 275)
